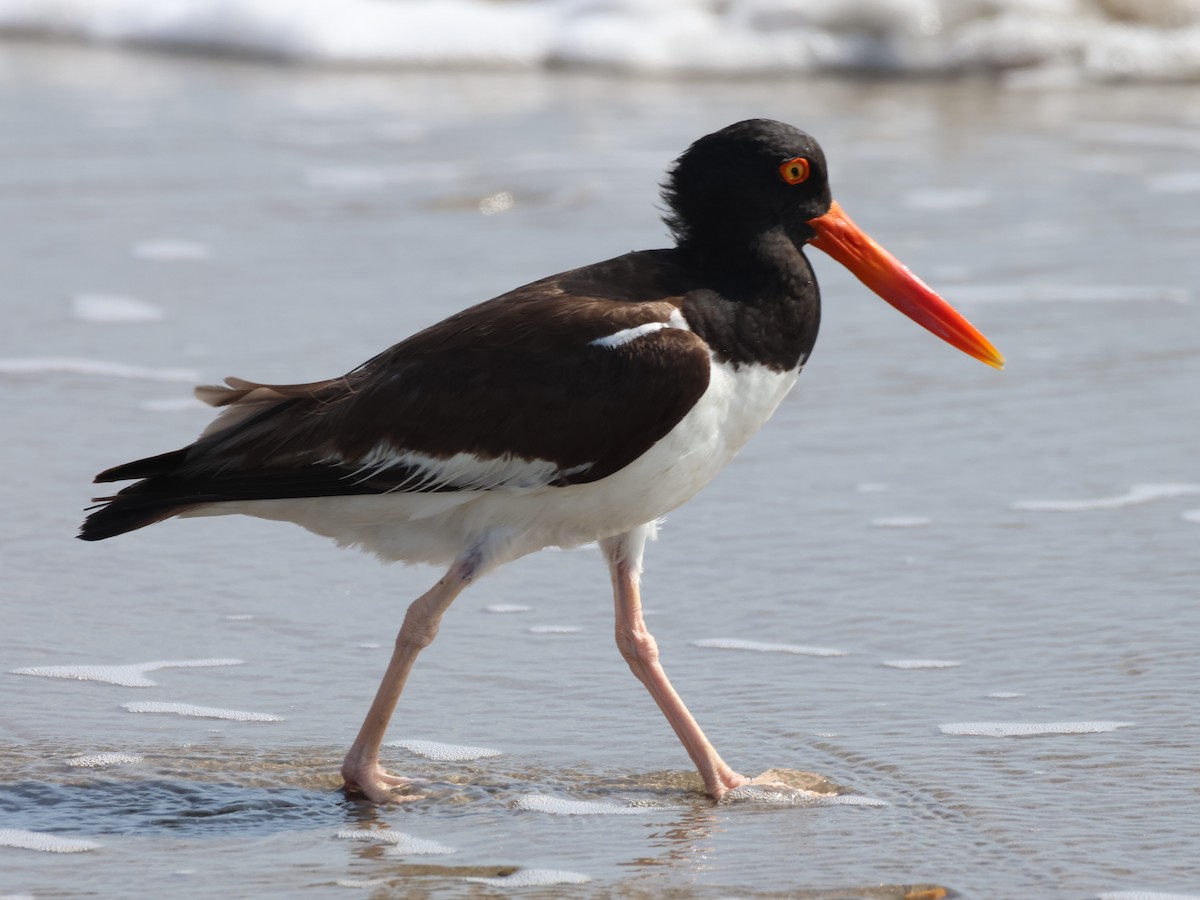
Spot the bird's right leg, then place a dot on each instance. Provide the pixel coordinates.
(361, 769)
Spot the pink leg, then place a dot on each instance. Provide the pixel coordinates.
(640, 650)
(361, 769)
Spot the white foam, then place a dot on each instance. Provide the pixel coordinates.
(798, 797)
(532, 878)
(1144, 895)
(1028, 729)
(103, 760)
(1070, 293)
(47, 843)
(554, 629)
(922, 663)
(901, 521)
(1004, 695)
(560, 806)
(444, 752)
(761, 647)
(398, 843)
(1139, 493)
(507, 608)
(1191, 515)
(1043, 42)
(494, 204)
(201, 712)
(112, 309)
(357, 882)
(170, 250)
(66, 365)
(131, 675)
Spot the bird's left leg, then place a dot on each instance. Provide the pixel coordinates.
(361, 769)
(637, 645)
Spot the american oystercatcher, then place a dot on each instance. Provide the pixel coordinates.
(581, 407)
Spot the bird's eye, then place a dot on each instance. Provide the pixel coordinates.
(794, 170)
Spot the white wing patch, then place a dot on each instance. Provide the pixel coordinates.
(463, 471)
(627, 335)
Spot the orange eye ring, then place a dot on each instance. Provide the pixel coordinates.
(795, 170)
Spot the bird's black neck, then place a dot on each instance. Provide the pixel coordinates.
(760, 303)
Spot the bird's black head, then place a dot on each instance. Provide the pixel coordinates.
(746, 179)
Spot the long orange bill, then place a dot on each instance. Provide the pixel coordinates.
(838, 236)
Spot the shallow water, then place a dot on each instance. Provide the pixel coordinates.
(967, 599)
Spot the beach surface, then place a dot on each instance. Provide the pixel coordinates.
(967, 599)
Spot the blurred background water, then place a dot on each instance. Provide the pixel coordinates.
(1006, 563)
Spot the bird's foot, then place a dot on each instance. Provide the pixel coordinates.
(377, 783)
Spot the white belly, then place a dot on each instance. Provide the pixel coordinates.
(435, 527)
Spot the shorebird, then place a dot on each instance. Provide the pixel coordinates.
(581, 407)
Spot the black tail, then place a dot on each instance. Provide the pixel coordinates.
(154, 498)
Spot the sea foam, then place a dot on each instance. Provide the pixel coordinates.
(47, 843)
(922, 663)
(560, 806)
(201, 712)
(1136, 495)
(444, 752)
(66, 365)
(532, 878)
(111, 309)
(131, 675)
(762, 647)
(1128, 40)
(1028, 729)
(103, 760)
(397, 842)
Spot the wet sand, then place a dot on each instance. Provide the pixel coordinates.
(966, 599)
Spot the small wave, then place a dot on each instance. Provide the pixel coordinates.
(1138, 494)
(1191, 515)
(103, 760)
(1144, 895)
(1123, 40)
(797, 797)
(901, 521)
(65, 365)
(170, 250)
(113, 309)
(507, 608)
(47, 843)
(761, 647)
(560, 806)
(532, 878)
(131, 675)
(922, 664)
(554, 629)
(200, 712)
(444, 752)
(398, 843)
(1029, 729)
